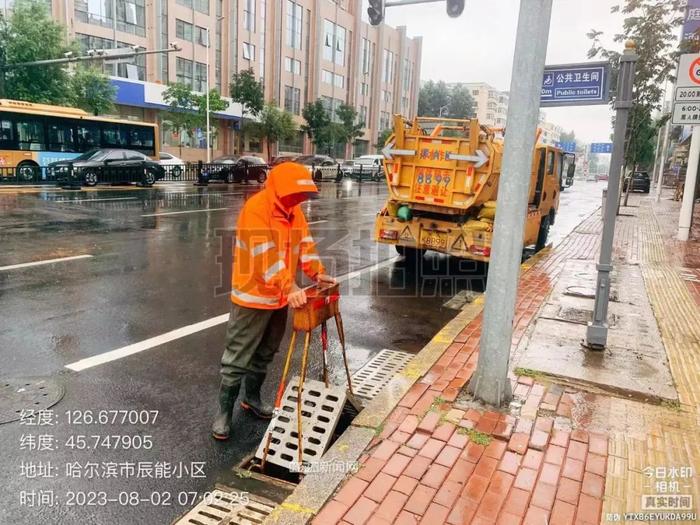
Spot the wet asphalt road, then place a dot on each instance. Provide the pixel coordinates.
(159, 263)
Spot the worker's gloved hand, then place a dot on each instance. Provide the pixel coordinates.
(296, 297)
(322, 278)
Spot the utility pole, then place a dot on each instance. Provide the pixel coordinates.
(490, 382)
(685, 219)
(662, 160)
(597, 331)
(207, 88)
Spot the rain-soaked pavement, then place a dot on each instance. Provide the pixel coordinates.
(153, 292)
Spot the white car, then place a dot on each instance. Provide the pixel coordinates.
(368, 167)
(173, 165)
(321, 167)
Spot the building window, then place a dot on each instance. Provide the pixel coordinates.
(183, 30)
(328, 77)
(248, 51)
(186, 3)
(407, 74)
(475, 92)
(489, 116)
(183, 71)
(334, 42)
(135, 69)
(292, 66)
(201, 35)
(384, 120)
(386, 96)
(292, 99)
(249, 15)
(364, 88)
(131, 16)
(96, 13)
(366, 57)
(388, 75)
(200, 77)
(202, 6)
(362, 116)
(294, 20)
(263, 15)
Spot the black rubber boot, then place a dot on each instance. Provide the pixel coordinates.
(251, 400)
(227, 400)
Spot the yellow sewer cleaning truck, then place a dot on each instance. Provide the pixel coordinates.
(443, 175)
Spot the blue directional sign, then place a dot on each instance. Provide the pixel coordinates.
(568, 147)
(601, 147)
(575, 84)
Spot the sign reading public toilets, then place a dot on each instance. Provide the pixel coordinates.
(686, 99)
(575, 84)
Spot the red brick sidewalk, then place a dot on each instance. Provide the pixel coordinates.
(434, 463)
(564, 452)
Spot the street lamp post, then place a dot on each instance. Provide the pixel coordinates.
(597, 331)
(441, 109)
(207, 89)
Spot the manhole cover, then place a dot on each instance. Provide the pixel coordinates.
(224, 508)
(321, 407)
(374, 375)
(27, 394)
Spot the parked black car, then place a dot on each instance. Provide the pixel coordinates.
(640, 182)
(108, 166)
(236, 168)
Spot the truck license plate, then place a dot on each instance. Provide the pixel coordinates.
(435, 240)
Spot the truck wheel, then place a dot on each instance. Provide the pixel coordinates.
(411, 254)
(543, 233)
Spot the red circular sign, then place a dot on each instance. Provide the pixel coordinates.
(694, 71)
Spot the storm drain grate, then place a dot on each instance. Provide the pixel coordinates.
(26, 396)
(224, 508)
(369, 380)
(321, 409)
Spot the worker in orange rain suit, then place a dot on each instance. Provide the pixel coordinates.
(272, 238)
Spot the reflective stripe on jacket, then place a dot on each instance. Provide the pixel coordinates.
(271, 241)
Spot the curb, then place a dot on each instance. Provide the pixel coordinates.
(317, 487)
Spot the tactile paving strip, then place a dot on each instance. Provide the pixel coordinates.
(219, 508)
(321, 409)
(369, 380)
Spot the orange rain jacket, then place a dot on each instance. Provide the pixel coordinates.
(271, 241)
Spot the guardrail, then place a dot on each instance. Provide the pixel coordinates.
(146, 173)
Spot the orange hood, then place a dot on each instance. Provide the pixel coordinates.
(286, 179)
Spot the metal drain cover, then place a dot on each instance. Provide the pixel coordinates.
(321, 410)
(224, 508)
(369, 380)
(29, 394)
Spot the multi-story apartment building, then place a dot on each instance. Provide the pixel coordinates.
(491, 105)
(550, 133)
(302, 50)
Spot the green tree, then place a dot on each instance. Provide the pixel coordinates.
(461, 104)
(248, 91)
(317, 120)
(350, 124)
(92, 91)
(188, 110)
(29, 34)
(382, 138)
(567, 137)
(272, 125)
(432, 97)
(651, 24)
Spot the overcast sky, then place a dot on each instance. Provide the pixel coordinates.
(478, 46)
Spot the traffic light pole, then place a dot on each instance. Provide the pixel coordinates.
(597, 331)
(490, 382)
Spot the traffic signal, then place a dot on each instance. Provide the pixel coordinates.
(375, 11)
(455, 8)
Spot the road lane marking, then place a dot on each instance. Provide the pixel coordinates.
(316, 222)
(135, 348)
(182, 212)
(187, 194)
(178, 333)
(46, 261)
